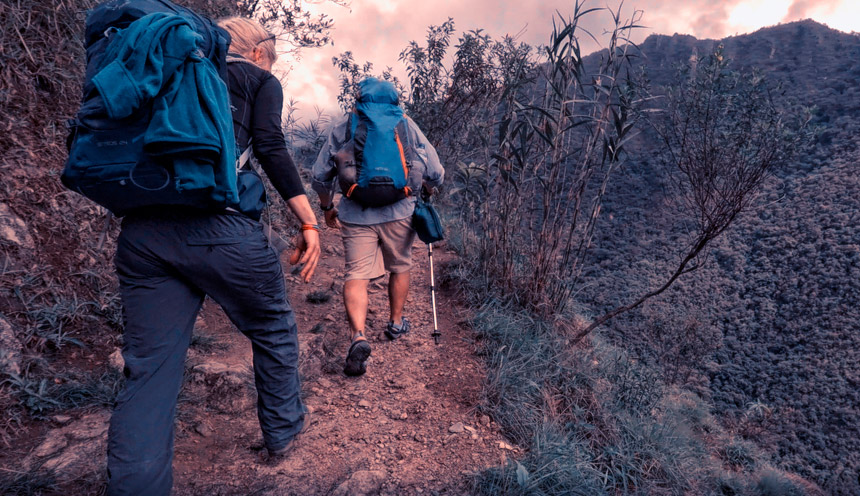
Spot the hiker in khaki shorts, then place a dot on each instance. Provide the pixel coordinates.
(374, 215)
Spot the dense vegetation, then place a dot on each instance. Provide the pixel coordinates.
(503, 177)
(782, 287)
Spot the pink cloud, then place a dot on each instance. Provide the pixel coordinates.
(377, 31)
(802, 9)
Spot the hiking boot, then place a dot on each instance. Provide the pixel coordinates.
(395, 331)
(355, 358)
(275, 457)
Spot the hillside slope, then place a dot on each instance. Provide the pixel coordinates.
(783, 284)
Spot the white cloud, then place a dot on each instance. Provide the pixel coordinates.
(751, 15)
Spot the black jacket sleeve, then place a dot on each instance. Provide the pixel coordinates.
(268, 140)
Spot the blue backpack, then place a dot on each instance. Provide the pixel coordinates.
(378, 135)
(112, 160)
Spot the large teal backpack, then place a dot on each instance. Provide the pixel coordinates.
(377, 134)
(111, 160)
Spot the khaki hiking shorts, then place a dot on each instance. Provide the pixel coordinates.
(371, 250)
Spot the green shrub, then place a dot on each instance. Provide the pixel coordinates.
(740, 455)
(774, 483)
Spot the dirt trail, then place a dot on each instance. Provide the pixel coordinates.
(409, 426)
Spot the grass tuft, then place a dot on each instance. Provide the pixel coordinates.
(27, 483)
(41, 396)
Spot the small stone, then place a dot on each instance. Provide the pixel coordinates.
(89, 427)
(10, 349)
(14, 230)
(457, 427)
(403, 416)
(54, 442)
(62, 419)
(330, 318)
(203, 429)
(470, 429)
(361, 483)
(485, 420)
(505, 446)
(116, 361)
(364, 404)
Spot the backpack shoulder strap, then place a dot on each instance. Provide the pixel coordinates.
(351, 124)
(401, 131)
(357, 132)
(244, 158)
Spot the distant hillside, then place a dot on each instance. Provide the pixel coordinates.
(783, 285)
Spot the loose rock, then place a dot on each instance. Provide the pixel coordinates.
(457, 427)
(62, 419)
(203, 429)
(116, 361)
(74, 451)
(362, 483)
(14, 230)
(10, 349)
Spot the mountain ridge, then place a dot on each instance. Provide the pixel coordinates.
(783, 283)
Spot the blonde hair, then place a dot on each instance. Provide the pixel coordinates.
(248, 35)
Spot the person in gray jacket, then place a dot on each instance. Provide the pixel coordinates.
(375, 239)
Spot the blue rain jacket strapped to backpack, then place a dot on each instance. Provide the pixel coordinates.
(155, 127)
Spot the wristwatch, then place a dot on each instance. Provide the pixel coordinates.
(326, 209)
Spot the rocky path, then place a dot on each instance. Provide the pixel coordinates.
(409, 426)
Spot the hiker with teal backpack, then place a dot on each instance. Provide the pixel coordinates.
(154, 142)
(380, 160)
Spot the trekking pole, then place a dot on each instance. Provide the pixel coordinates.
(436, 332)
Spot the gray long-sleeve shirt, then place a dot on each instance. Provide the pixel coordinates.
(426, 167)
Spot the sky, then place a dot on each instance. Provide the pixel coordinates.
(378, 30)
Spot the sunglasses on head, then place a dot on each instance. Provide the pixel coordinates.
(270, 37)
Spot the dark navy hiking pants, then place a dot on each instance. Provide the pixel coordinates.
(166, 263)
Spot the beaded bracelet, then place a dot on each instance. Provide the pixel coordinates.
(311, 227)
